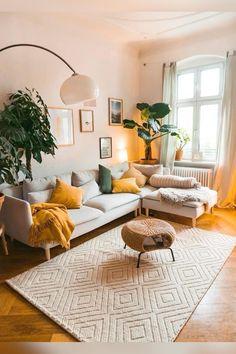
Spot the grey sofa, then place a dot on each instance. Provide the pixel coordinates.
(95, 212)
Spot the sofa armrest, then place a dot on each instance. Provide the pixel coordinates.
(17, 217)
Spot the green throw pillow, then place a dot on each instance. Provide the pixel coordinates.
(105, 181)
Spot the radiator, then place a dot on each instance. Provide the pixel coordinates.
(202, 175)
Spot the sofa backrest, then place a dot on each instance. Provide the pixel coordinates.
(12, 191)
(43, 183)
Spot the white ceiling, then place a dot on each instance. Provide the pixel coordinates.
(98, 6)
(137, 21)
(171, 25)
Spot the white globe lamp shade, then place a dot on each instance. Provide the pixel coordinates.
(78, 88)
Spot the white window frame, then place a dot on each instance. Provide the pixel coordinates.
(196, 101)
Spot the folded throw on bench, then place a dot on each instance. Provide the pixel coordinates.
(181, 196)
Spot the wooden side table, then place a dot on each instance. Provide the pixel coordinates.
(2, 236)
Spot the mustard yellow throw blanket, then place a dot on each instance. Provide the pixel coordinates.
(51, 224)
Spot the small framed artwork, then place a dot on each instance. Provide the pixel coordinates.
(61, 121)
(86, 120)
(105, 145)
(115, 111)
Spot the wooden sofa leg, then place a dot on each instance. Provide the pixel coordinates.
(147, 211)
(194, 222)
(136, 213)
(47, 254)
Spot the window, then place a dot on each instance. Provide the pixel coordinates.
(198, 107)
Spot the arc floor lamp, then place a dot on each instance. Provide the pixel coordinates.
(76, 88)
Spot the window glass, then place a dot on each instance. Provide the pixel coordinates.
(210, 82)
(186, 86)
(198, 104)
(208, 131)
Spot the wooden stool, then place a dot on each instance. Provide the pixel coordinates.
(2, 236)
(148, 234)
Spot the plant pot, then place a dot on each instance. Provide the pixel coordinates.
(2, 197)
(148, 162)
(179, 155)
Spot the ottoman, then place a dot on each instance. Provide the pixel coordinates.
(148, 234)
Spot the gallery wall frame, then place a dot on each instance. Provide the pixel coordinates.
(115, 111)
(86, 117)
(105, 147)
(62, 125)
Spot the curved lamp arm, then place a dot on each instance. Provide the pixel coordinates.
(76, 88)
(40, 47)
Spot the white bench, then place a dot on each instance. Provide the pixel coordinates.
(191, 210)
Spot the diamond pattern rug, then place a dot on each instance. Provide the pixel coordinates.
(96, 293)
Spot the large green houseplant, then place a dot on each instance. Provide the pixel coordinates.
(151, 127)
(24, 123)
(10, 163)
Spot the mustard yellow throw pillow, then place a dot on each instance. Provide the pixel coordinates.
(67, 195)
(133, 172)
(125, 185)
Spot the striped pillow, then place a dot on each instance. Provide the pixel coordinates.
(170, 181)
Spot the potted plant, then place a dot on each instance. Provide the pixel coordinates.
(24, 123)
(151, 128)
(183, 139)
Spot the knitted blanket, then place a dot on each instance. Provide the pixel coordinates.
(181, 196)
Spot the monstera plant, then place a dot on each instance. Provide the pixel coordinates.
(151, 127)
(24, 123)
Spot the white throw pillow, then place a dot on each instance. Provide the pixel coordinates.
(91, 190)
(84, 176)
(148, 170)
(117, 170)
(40, 197)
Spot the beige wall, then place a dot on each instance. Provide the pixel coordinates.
(112, 64)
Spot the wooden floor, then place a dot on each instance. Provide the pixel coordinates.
(213, 320)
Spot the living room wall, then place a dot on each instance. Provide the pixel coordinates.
(153, 56)
(91, 51)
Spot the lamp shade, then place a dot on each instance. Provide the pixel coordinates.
(78, 88)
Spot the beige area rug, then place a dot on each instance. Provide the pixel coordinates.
(96, 293)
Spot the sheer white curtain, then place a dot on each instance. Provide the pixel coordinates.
(225, 174)
(168, 143)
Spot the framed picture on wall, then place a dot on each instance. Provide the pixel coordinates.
(61, 120)
(86, 120)
(115, 110)
(105, 146)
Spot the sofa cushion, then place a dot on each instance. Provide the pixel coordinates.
(106, 202)
(67, 195)
(43, 183)
(147, 189)
(148, 170)
(40, 197)
(105, 181)
(133, 172)
(117, 170)
(90, 190)
(125, 185)
(84, 176)
(84, 214)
